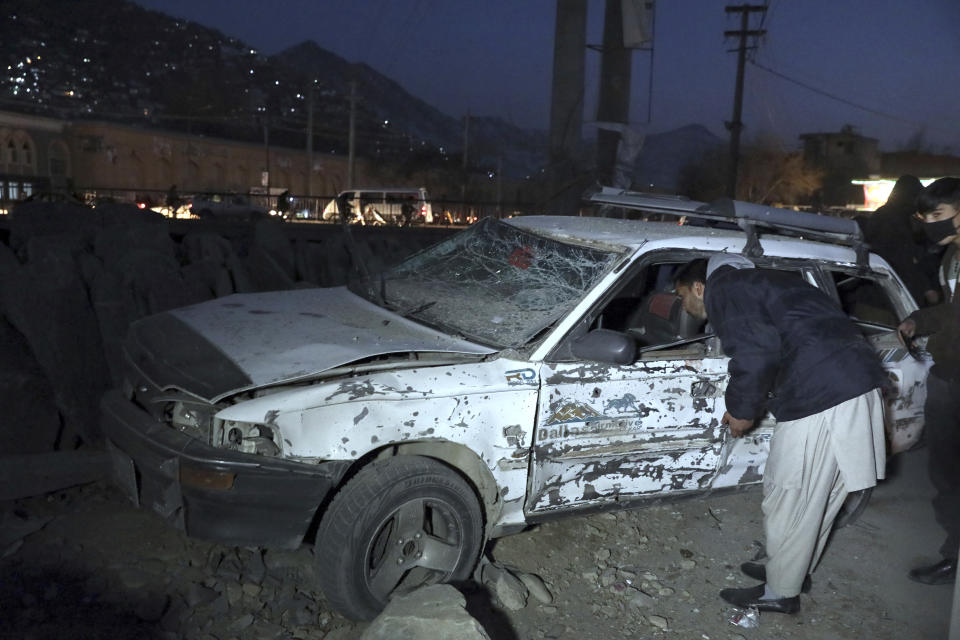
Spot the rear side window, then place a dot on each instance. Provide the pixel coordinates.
(866, 299)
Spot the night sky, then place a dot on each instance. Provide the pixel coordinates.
(887, 67)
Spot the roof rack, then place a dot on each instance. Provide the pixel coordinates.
(749, 217)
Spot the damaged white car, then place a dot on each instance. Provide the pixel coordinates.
(516, 371)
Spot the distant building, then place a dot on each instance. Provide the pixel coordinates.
(34, 155)
(925, 166)
(857, 175)
(115, 156)
(41, 153)
(843, 157)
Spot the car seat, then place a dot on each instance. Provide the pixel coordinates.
(660, 318)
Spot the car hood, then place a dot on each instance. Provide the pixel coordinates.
(244, 341)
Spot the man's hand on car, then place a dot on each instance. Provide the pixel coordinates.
(738, 426)
(906, 331)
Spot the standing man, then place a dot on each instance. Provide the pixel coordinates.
(939, 204)
(283, 204)
(890, 231)
(406, 210)
(795, 353)
(173, 200)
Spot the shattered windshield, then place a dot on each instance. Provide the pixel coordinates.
(492, 283)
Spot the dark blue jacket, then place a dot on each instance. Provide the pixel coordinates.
(792, 349)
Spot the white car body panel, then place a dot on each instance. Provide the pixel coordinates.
(286, 336)
(553, 435)
(609, 432)
(488, 407)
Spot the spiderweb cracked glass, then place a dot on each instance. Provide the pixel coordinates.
(493, 283)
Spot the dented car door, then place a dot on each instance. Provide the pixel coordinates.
(607, 432)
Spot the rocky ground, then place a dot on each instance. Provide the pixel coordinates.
(83, 563)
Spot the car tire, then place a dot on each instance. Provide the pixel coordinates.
(852, 507)
(398, 524)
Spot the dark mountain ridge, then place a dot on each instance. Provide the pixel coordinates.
(114, 60)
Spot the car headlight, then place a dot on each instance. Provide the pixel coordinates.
(191, 418)
(248, 437)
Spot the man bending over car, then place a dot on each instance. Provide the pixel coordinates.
(795, 353)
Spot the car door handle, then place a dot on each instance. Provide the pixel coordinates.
(703, 389)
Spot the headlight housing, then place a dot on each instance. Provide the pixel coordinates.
(191, 418)
(247, 437)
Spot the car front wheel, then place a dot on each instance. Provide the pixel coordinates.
(398, 524)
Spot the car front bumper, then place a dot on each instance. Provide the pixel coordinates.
(214, 494)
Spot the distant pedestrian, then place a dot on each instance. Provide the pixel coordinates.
(939, 204)
(344, 208)
(283, 203)
(890, 233)
(173, 199)
(794, 352)
(406, 211)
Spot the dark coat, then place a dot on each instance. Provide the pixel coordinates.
(942, 324)
(792, 349)
(892, 236)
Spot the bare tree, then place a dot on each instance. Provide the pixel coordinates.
(769, 172)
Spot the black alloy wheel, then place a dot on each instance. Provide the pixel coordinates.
(398, 524)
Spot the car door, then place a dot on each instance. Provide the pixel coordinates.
(607, 432)
(877, 302)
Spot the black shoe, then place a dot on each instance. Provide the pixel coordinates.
(758, 571)
(943, 572)
(751, 597)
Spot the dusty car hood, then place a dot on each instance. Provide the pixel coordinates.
(245, 341)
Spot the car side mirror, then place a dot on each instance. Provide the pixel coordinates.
(605, 345)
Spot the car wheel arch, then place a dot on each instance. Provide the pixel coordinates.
(461, 459)
(458, 457)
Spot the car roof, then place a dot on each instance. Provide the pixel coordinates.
(620, 234)
(615, 232)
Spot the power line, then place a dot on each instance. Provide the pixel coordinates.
(831, 95)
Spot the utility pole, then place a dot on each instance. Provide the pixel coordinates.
(566, 106)
(352, 137)
(614, 100)
(310, 93)
(500, 186)
(466, 174)
(736, 125)
(266, 152)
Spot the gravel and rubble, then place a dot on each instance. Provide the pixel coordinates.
(84, 563)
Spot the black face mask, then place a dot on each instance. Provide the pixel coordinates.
(937, 231)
